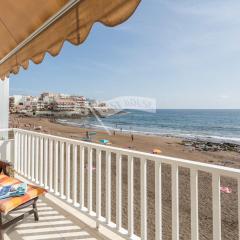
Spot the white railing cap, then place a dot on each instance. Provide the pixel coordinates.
(198, 165)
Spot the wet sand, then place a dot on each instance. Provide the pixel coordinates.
(169, 146)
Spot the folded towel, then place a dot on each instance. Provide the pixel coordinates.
(4, 190)
(15, 190)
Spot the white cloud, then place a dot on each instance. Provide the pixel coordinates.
(217, 10)
(224, 97)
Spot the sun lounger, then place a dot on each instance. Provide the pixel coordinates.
(86, 139)
(12, 204)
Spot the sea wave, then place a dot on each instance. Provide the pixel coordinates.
(170, 133)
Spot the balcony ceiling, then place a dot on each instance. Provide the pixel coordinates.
(29, 29)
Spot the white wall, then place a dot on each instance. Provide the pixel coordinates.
(4, 106)
(7, 150)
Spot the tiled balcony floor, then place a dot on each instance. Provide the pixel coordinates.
(54, 223)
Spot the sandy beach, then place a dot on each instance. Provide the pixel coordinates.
(169, 146)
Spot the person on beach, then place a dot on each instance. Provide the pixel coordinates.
(132, 137)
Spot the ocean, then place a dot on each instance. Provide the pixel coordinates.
(216, 125)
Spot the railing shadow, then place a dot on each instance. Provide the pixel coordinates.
(53, 224)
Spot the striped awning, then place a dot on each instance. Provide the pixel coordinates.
(30, 28)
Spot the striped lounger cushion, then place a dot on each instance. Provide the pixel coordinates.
(8, 204)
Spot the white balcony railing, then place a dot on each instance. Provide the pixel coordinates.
(91, 177)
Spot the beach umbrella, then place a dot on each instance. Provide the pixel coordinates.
(156, 151)
(31, 28)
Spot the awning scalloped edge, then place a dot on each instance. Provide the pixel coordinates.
(73, 27)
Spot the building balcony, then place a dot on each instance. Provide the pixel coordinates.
(104, 192)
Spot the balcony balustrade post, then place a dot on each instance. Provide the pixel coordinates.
(158, 200)
(25, 158)
(194, 204)
(82, 177)
(130, 196)
(119, 191)
(32, 175)
(56, 167)
(16, 151)
(37, 160)
(29, 150)
(62, 168)
(41, 161)
(22, 153)
(46, 163)
(108, 187)
(75, 174)
(238, 189)
(216, 206)
(68, 173)
(175, 202)
(143, 199)
(98, 183)
(89, 170)
(51, 165)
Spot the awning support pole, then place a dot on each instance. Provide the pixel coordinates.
(4, 108)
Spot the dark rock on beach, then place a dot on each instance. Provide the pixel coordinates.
(204, 145)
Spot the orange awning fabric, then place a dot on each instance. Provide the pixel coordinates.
(20, 19)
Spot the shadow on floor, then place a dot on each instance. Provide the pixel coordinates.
(54, 224)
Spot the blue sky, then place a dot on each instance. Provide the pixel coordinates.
(184, 54)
